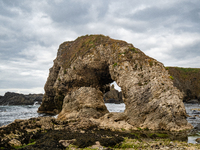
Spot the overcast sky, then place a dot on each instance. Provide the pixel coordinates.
(32, 30)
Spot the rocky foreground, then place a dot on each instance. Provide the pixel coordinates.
(46, 133)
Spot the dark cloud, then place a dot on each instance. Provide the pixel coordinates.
(31, 31)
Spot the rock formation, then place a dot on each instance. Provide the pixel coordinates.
(113, 96)
(11, 98)
(82, 69)
(187, 80)
(84, 102)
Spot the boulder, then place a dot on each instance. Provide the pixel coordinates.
(113, 96)
(85, 102)
(193, 101)
(11, 98)
(198, 140)
(15, 143)
(91, 62)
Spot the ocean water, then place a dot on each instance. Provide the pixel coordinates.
(115, 107)
(9, 113)
(194, 119)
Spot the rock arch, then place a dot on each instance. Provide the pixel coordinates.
(84, 67)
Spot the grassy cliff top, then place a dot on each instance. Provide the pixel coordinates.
(185, 70)
(69, 51)
(185, 73)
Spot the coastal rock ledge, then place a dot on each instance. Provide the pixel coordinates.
(84, 68)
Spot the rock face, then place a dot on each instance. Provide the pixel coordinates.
(84, 102)
(113, 96)
(187, 80)
(11, 98)
(82, 69)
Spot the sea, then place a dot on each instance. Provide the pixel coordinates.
(9, 113)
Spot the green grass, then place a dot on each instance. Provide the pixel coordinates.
(136, 134)
(122, 53)
(162, 135)
(126, 145)
(19, 147)
(122, 129)
(133, 49)
(32, 140)
(115, 64)
(171, 77)
(151, 63)
(188, 69)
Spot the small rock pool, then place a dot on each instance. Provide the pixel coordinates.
(193, 111)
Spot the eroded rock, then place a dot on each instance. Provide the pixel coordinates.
(15, 143)
(85, 102)
(66, 143)
(91, 62)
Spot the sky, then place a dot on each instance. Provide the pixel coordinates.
(31, 32)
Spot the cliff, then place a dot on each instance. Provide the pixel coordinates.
(11, 98)
(187, 80)
(84, 67)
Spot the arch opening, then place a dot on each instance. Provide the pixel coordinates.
(113, 98)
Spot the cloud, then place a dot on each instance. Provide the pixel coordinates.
(31, 32)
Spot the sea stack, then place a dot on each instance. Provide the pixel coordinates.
(83, 68)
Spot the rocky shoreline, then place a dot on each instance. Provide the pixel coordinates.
(11, 98)
(44, 133)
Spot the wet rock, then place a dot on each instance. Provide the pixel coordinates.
(197, 127)
(66, 143)
(198, 140)
(193, 101)
(15, 143)
(195, 112)
(11, 98)
(192, 118)
(94, 61)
